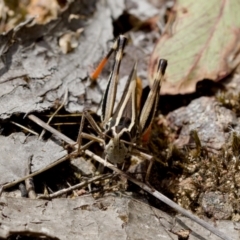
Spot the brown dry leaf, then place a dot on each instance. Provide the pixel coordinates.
(203, 44)
(11, 14)
(43, 10)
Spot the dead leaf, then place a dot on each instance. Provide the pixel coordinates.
(204, 43)
(43, 10)
(16, 150)
(11, 13)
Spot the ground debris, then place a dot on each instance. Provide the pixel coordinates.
(206, 116)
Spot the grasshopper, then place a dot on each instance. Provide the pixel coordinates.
(123, 128)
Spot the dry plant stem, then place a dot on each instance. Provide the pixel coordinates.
(79, 139)
(65, 124)
(50, 129)
(151, 161)
(148, 189)
(93, 124)
(30, 188)
(149, 171)
(60, 135)
(29, 181)
(54, 114)
(66, 115)
(27, 129)
(161, 197)
(87, 115)
(67, 190)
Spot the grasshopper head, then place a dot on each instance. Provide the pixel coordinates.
(116, 148)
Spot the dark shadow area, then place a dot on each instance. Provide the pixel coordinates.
(30, 236)
(170, 103)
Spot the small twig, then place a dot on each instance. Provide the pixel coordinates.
(27, 129)
(60, 135)
(65, 124)
(29, 181)
(66, 115)
(82, 184)
(142, 154)
(50, 119)
(50, 129)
